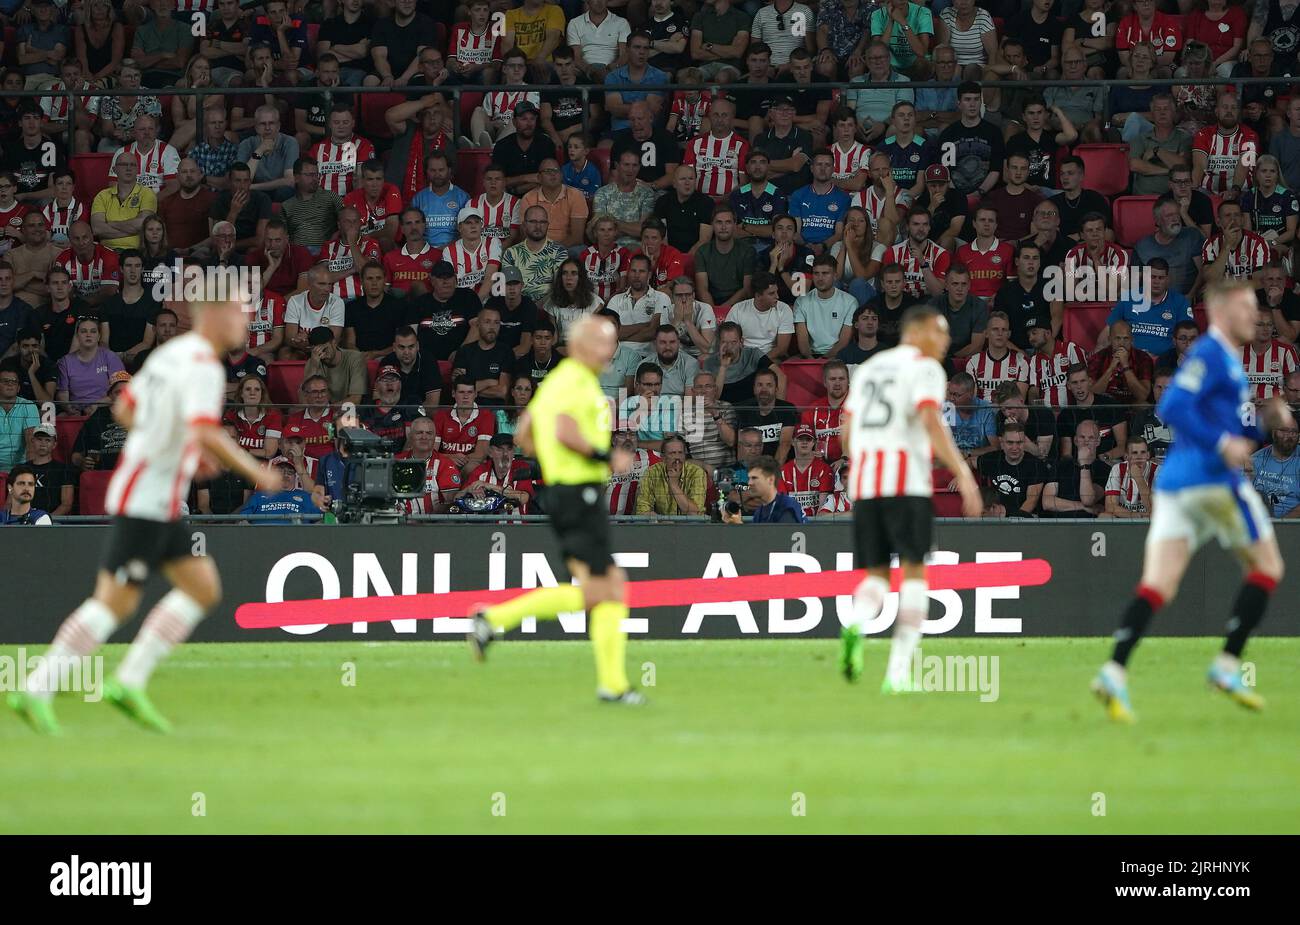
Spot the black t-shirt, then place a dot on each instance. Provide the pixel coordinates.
(1066, 473)
(1012, 480)
(566, 105)
(783, 414)
(258, 208)
(442, 326)
(1039, 38)
(218, 31)
(248, 365)
(317, 106)
(226, 493)
(28, 165)
(126, 322)
(516, 161)
(391, 424)
(50, 479)
(528, 365)
(47, 373)
(375, 325)
(402, 42)
(778, 149)
(424, 377)
(676, 24)
(1104, 410)
(954, 204)
(61, 327)
(752, 99)
(656, 153)
(1041, 155)
(1289, 306)
(338, 31)
(1021, 306)
(102, 433)
(807, 99)
(1040, 423)
(684, 218)
(1072, 213)
(514, 324)
(891, 318)
(480, 364)
(852, 354)
(14, 317)
(978, 152)
(1054, 255)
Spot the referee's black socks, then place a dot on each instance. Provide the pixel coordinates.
(1248, 610)
(1137, 616)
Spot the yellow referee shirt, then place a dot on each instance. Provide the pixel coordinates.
(573, 389)
(141, 199)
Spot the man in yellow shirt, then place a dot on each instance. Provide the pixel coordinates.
(118, 212)
(536, 28)
(567, 427)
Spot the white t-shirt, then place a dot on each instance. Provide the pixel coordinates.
(761, 329)
(299, 311)
(653, 306)
(599, 44)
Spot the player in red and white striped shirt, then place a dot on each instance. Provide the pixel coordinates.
(1223, 155)
(347, 252)
(94, 268)
(500, 209)
(852, 158)
(378, 203)
(806, 478)
(475, 257)
(623, 487)
(893, 431)
(1124, 497)
(718, 157)
(924, 263)
(475, 46)
(605, 261)
(1049, 364)
(997, 362)
(1233, 253)
(158, 161)
(338, 155)
(1266, 360)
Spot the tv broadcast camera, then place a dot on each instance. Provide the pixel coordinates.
(374, 481)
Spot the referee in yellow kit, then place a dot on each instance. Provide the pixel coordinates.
(567, 427)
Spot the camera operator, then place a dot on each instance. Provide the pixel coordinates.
(503, 474)
(772, 507)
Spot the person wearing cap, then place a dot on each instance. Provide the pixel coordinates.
(293, 444)
(343, 369)
(18, 416)
(388, 417)
(494, 117)
(637, 73)
(84, 373)
(949, 210)
(444, 316)
(55, 482)
(440, 201)
(501, 472)
(806, 476)
(18, 510)
(475, 257)
(566, 208)
(1023, 297)
(294, 503)
(99, 442)
(521, 152)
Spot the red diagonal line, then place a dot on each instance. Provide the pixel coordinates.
(666, 592)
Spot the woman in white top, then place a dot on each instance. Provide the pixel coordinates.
(971, 33)
(571, 297)
(857, 255)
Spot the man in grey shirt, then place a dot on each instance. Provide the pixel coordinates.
(734, 365)
(967, 315)
(1166, 147)
(1177, 243)
(270, 154)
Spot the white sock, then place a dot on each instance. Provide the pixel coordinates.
(81, 633)
(913, 608)
(868, 598)
(168, 625)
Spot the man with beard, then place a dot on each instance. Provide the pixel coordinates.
(1174, 243)
(32, 259)
(421, 380)
(1218, 164)
(1017, 476)
(757, 203)
(486, 362)
(724, 267)
(388, 417)
(185, 215)
(1276, 473)
(656, 150)
(774, 418)
(443, 316)
(522, 151)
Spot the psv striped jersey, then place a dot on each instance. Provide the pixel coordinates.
(936, 258)
(1223, 153)
(807, 485)
(500, 220)
(606, 270)
(468, 48)
(1112, 257)
(101, 269)
(849, 162)
(349, 258)
(891, 455)
(622, 488)
(1247, 258)
(1121, 485)
(500, 104)
(1268, 370)
(690, 115)
(55, 107)
(872, 202)
(472, 265)
(990, 373)
(825, 422)
(181, 387)
(375, 215)
(718, 162)
(338, 162)
(61, 217)
(157, 164)
(1048, 373)
(268, 316)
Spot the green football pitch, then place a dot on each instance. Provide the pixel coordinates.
(739, 736)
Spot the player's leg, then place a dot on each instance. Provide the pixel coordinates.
(606, 610)
(871, 552)
(910, 526)
(196, 589)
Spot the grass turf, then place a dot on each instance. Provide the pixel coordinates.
(426, 741)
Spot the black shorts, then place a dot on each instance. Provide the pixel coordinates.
(580, 518)
(884, 526)
(137, 547)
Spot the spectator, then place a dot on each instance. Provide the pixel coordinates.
(1267, 360)
(1176, 245)
(348, 37)
(695, 321)
(55, 482)
(823, 317)
(421, 380)
(1047, 234)
(666, 262)
(819, 207)
(686, 213)
(290, 505)
(987, 257)
(93, 268)
(1014, 202)
(1156, 154)
(445, 316)
(26, 155)
(599, 40)
(156, 161)
(767, 321)
(566, 208)
(42, 43)
(214, 154)
(501, 473)
(924, 263)
(772, 418)
(185, 215)
(864, 342)
(1121, 370)
(640, 308)
(1095, 257)
(380, 205)
(1040, 142)
(1076, 487)
(389, 417)
(537, 258)
(255, 423)
(18, 417)
(32, 259)
(581, 172)
(422, 126)
(312, 213)
(240, 364)
(972, 420)
(270, 155)
(129, 314)
(757, 203)
(977, 144)
(15, 314)
(724, 265)
(787, 148)
(625, 362)
(656, 150)
(522, 152)
(344, 370)
(874, 108)
(1087, 405)
(317, 307)
(998, 362)
(1017, 476)
(1084, 105)
(410, 266)
(494, 117)
(371, 319)
(709, 424)
(824, 415)
(85, 372)
(250, 211)
(1281, 301)
(672, 486)
(1023, 297)
(893, 300)
(442, 477)
(37, 374)
(1077, 204)
(571, 297)
(541, 358)
(519, 314)
(653, 415)
(806, 476)
(463, 430)
(1128, 489)
(677, 367)
(1147, 423)
(396, 43)
(486, 361)
(625, 200)
(1233, 253)
(1275, 473)
(18, 510)
(58, 323)
(1154, 318)
(689, 113)
(521, 394)
(720, 156)
(1049, 363)
(1271, 210)
(623, 487)
(910, 155)
(99, 442)
(315, 423)
(1195, 207)
(563, 110)
(166, 325)
(769, 504)
(476, 257)
(265, 327)
(1284, 144)
(1038, 423)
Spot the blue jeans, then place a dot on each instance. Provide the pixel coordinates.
(352, 76)
(862, 290)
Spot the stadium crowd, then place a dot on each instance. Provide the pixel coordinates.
(420, 270)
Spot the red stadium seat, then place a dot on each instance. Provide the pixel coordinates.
(1134, 219)
(600, 157)
(468, 103)
(470, 164)
(946, 504)
(1084, 321)
(941, 478)
(92, 492)
(373, 107)
(313, 35)
(972, 203)
(688, 267)
(68, 426)
(1199, 316)
(372, 370)
(1106, 167)
(91, 171)
(284, 378)
(1215, 201)
(803, 381)
(444, 370)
